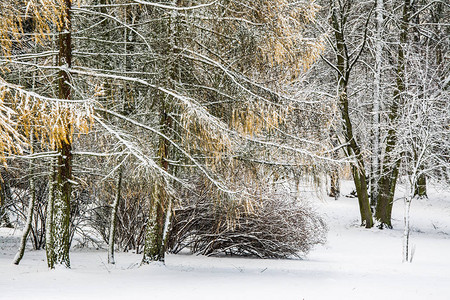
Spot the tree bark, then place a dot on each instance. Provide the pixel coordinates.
(406, 231)
(420, 187)
(391, 163)
(353, 149)
(32, 200)
(5, 197)
(154, 238)
(49, 220)
(154, 248)
(375, 176)
(160, 212)
(112, 227)
(335, 190)
(63, 186)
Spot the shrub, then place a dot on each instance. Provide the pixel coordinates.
(276, 227)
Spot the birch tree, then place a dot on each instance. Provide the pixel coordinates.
(377, 101)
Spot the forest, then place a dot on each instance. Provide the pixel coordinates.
(218, 127)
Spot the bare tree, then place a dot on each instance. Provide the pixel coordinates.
(341, 24)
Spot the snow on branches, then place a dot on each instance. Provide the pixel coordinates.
(53, 120)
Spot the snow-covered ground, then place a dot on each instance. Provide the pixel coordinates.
(356, 263)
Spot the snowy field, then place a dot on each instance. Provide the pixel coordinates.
(356, 263)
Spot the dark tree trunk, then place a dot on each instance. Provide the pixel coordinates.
(154, 240)
(420, 188)
(112, 227)
(385, 202)
(160, 211)
(63, 186)
(343, 66)
(5, 197)
(335, 190)
(391, 162)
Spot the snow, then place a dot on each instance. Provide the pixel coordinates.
(355, 263)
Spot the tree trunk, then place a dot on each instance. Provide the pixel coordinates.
(335, 190)
(165, 236)
(391, 163)
(406, 231)
(353, 149)
(112, 227)
(358, 170)
(384, 206)
(375, 176)
(363, 197)
(32, 200)
(154, 248)
(5, 197)
(420, 187)
(49, 220)
(61, 207)
(157, 230)
(23, 240)
(63, 185)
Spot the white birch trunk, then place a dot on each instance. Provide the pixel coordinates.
(408, 199)
(406, 230)
(377, 102)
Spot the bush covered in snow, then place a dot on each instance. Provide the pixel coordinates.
(271, 228)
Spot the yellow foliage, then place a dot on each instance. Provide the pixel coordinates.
(10, 139)
(53, 121)
(281, 29)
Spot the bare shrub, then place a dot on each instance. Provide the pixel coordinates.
(276, 226)
(15, 183)
(131, 214)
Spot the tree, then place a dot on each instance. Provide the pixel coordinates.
(346, 59)
(390, 170)
(63, 177)
(30, 209)
(423, 140)
(112, 228)
(412, 25)
(47, 118)
(377, 101)
(175, 89)
(202, 88)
